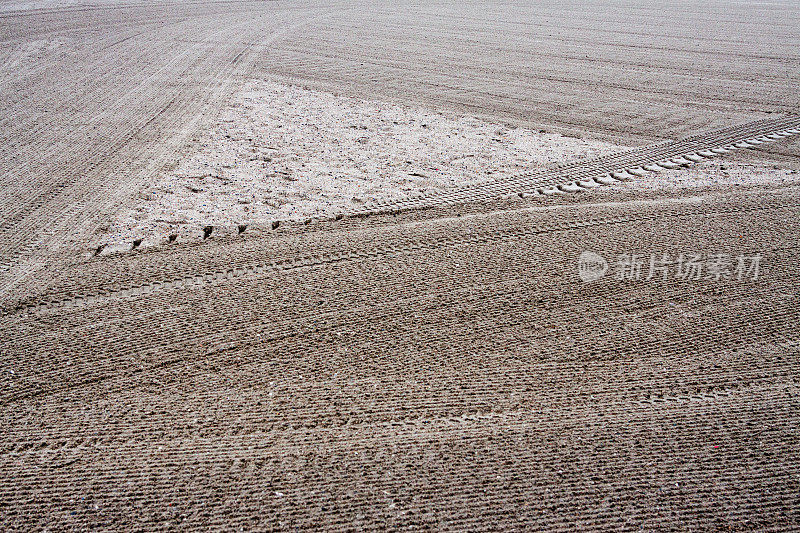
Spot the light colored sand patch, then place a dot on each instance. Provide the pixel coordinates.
(281, 152)
(715, 173)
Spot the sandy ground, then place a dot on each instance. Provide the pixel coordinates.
(421, 372)
(100, 100)
(442, 368)
(716, 174)
(281, 152)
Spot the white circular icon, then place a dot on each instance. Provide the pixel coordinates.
(591, 266)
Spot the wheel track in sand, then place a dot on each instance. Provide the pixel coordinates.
(640, 391)
(70, 198)
(461, 385)
(283, 335)
(138, 343)
(246, 269)
(112, 368)
(584, 175)
(19, 238)
(36, 460)
(762, 131)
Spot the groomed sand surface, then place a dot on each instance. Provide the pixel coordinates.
(441, 367)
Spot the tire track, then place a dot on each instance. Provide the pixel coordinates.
(180, 328)
(310, 261)
(579, 176)
(583, 175)
(73, 198)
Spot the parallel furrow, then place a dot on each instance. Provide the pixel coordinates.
(308, 261)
